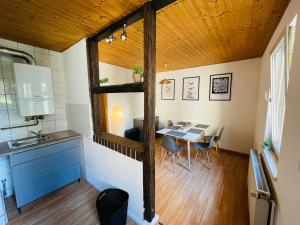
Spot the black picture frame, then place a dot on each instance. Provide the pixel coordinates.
(224, 96)
(183, 88)
(161, 92)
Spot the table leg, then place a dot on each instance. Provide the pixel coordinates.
(189, 154)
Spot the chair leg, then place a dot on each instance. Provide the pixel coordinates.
(173, 159)
(216, 150)
(208, 156)
(163, 159)
(196, 158)
(178, 154)
(161, 153)
(162, 150)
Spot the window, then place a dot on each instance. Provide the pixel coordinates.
(290, 44)
(278, 81)
(281, 60)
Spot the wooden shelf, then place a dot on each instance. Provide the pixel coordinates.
(121, 88)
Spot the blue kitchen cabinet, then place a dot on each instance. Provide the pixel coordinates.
(40, 171)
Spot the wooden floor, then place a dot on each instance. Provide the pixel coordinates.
(215, 196)
(202, 197)
(74, 204)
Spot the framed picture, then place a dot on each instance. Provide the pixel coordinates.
(220, 87)
(168, 90)
(190, 88)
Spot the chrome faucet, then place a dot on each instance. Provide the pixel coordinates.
(38, 134)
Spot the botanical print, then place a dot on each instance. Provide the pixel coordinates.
(168, 90)
(220, 87)
(191, 88)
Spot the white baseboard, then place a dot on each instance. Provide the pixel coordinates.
(133, 217)
(153, 222)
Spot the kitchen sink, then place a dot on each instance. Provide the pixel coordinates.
(15, 144)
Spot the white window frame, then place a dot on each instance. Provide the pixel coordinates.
(281, 43)
(282, 40)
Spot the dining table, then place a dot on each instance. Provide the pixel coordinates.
(189, 132)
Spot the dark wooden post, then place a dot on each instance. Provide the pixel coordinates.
(149, 110)
(93, 70)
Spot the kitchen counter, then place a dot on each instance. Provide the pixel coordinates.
(53, 139)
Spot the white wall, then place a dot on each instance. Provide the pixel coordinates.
(131, 104)
(237, 115)
(9, 115)
(77, 89)
(107, 168)
(103, 167)
(288, 168)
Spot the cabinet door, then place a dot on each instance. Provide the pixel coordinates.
(27, 191)
(31, 190)
(40, 176)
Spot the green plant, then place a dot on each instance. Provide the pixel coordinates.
(138, 69)
(104, 80)
(267, 143)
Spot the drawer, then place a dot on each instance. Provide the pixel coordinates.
(36, 153)
(43, 166)
(30, 190)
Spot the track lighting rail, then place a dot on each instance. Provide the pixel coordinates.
(131, 18)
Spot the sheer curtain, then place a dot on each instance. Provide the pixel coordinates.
(278, 81)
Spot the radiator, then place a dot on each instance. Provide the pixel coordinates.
(261, 206)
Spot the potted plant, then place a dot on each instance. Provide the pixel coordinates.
(267, 144)
(137, 74)
(103, 82)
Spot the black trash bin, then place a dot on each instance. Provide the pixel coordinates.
(112, 207)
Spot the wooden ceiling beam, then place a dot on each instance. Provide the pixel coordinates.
(131, 18)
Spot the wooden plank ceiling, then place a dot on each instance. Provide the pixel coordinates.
(189, 32)
(58, 24)
(201, 32)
